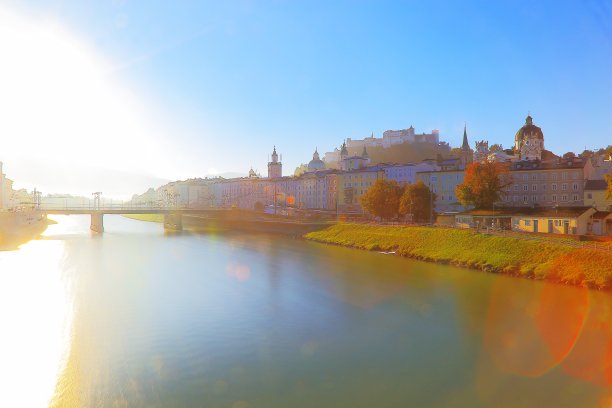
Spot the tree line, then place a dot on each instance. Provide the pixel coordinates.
(483, 185)
(388, 200)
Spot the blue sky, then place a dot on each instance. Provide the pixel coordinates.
(225, 81)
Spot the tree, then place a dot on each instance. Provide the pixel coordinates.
(483, 184)
(382, 199)
(609, 178)
(496, 148)
(569, 155)
(417, 200)
(456, 152)
(587, 154)
(301, 169)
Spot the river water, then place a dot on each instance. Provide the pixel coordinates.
(138, 317)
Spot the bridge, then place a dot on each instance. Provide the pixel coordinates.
(173, 217)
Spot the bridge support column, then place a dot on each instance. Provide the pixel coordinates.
(173, 222)
(97, 222)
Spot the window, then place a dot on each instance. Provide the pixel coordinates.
(515, 198)
(575, 197)
(534, 176)
(525, 187)
(575, 186)
(528, 223)
(589, 196)
(554, 187)
(564, 186)
(543, 198)
(525, 177)
(553, 176)
(554, 198)
(543, 187)
(564, 197)
(534, 198)
(534, 187)
(516, 187)
(564, 175)
(524, 199)
(434, 179)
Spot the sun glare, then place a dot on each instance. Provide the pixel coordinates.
(35, 311)
(59, 101)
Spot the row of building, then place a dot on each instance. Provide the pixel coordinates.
(9, 198)
(539, 180)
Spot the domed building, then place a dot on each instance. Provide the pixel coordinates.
(316, 163)
(529, 141)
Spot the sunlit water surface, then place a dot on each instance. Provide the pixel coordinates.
(136, 317)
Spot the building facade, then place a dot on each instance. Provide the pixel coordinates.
(443, 184)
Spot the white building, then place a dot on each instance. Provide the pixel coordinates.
(406, 173)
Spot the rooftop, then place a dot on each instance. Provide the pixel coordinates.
(561, 212)
(600, 185)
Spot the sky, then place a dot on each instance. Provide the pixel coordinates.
(119, 95)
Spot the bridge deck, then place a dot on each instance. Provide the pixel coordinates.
(186, 211)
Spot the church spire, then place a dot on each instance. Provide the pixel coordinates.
(465, 145)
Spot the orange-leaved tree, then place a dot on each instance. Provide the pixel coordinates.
(417, 200)
(483, 184)
(609, 178)
(382, 199)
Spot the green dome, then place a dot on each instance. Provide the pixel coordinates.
(529, 130)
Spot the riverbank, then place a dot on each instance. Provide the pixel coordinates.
(146, 217)
(531, 259)
(17, 228)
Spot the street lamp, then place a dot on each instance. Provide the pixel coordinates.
(97, 198)
(431, 203)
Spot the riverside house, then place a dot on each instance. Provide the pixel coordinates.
(555, 220)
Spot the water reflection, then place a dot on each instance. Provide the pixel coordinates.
(148, 319)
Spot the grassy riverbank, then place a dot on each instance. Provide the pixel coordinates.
(541, 260)
(146, 217)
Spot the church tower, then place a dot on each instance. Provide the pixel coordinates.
(467, 154)
(343, 155)
(529, 141)
(275, 167)
(482, 151)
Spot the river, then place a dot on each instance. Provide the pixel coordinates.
(139, 317)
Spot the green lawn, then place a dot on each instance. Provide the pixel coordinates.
(542, 260)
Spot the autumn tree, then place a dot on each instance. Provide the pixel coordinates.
(382, 199)
(417, 200)
(483, 184)
(609, 178)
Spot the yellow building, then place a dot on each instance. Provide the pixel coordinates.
(562, 220)
(595, 192)
(353, 184)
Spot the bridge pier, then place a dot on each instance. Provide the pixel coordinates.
(173, 222)
(97, 222)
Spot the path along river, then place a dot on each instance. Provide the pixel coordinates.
(137, 317)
